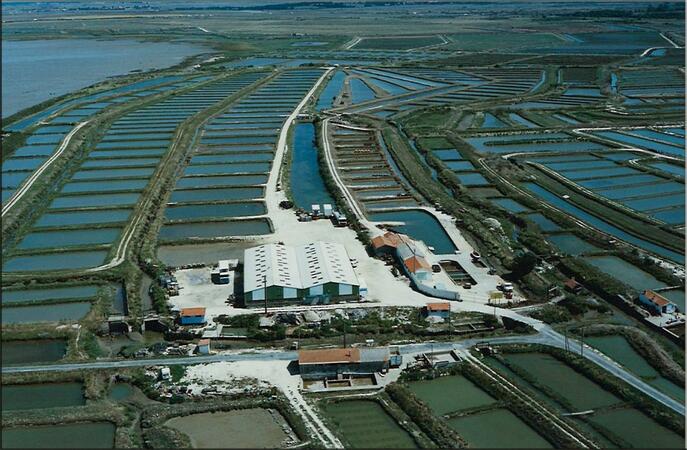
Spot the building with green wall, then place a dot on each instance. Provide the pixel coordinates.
(314, 273)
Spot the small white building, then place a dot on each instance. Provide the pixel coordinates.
(327, 210)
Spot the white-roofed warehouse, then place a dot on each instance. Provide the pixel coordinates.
(315, 273)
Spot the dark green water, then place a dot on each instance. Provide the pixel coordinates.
(637, 430)
(29, 295)
(55, 261)
(580, 392)
(625, 272)
(450, 393)
(498, 428)
(33, 351)
(216, 210)
(120, 391)
(77, 435)
(38, 396)
(620, 350)
(54, 312)
(571, 244)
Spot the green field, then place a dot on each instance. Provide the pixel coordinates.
(365, 424)
(497, 428)
(579, 74)
(501, 41)
(574, 388)
(431, 143)
(397, 42)
(451, 393)
(637, 430)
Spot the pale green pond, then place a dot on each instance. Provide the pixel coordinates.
(450, 393)
(498, 428)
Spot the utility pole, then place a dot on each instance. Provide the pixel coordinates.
(582, 343)
(264, 284)
(344, 330)
(449, 320)
(566, 338)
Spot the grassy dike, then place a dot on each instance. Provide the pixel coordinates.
(629, 221)
(284, 177)
(339, 199)
(128, 273)
(156, 435)
(612, 384)
(413, 169)
(21, 217)
(11, 143)
(648, 347)
(436, 426)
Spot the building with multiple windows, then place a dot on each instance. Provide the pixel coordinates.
(336, 363)
(314, 273)
(656, 303)
(441, 310)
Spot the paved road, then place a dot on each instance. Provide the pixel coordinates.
(113, 364)
(32, 179)
(546, 336)
(352, 43)
(670, 41)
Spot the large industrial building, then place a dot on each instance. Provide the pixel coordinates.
(342, 362)
(315, 273)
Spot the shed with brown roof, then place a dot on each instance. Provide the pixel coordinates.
(342, 362)
(192, 316)
(656, 303)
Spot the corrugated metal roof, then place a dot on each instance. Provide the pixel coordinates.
(298, 267)
(374, 354)
(324, 262)
(408, 249)
(271, 265)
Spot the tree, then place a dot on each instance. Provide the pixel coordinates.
(522, 265)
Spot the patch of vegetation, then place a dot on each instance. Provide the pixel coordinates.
(607, 381)
(422, 415)
(90, 345)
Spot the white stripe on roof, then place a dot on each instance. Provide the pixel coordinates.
(298, 267)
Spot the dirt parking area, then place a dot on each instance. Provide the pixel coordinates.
(197, 289)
